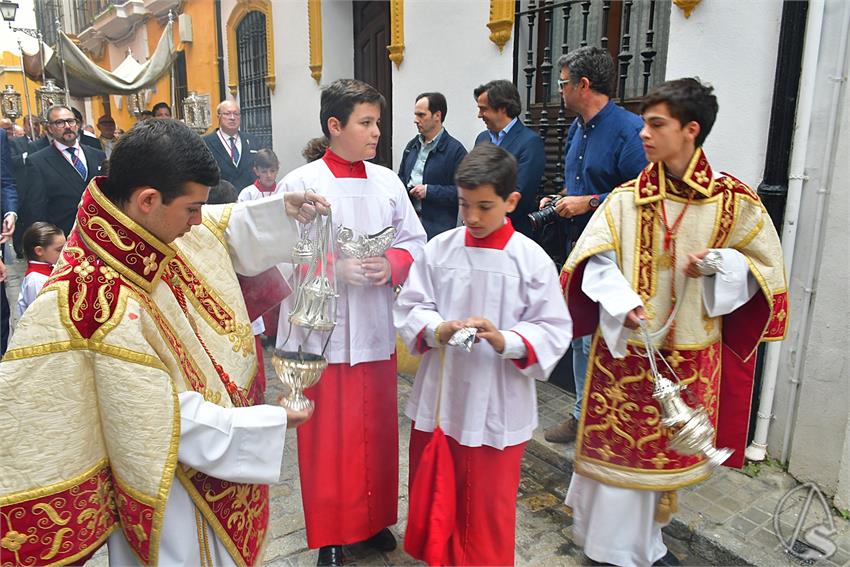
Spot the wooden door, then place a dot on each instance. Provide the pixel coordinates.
(371, 64)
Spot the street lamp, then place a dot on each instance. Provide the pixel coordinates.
(8, 10)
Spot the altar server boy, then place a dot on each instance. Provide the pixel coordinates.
(488, 276)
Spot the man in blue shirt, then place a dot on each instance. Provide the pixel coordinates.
(429, 163)
(499, 106)
(602, 150)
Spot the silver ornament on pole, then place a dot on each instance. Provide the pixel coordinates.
(196, 112)
(314, 308)
(49, 95)
(691, 430)
(10, 101)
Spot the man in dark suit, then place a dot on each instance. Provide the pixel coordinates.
(233, 150)
(428, 166)
(58, 174)
(499, 106)
(8, 204)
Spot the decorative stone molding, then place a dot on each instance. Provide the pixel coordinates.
(314, 26)
(501, 22)
(687, 6)
(396, 46)
(242, 8)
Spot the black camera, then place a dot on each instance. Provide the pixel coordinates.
(544, 216)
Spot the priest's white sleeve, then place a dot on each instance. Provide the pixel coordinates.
(260, 234)
(545, 326)
(604, 283)
(724, 292)
(236, 444)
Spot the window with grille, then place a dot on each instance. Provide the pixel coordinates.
(254, 100)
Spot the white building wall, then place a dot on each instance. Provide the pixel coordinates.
(819, 421)
(447, 50)
(24, 18)
(733, 49)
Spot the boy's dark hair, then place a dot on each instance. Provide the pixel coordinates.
(266, 158)
(222, 193)
(146, 115)
(594, 64)
(161, 153)
(340, 97)
(487, 164)
(39, 233)
(687, 100)
(436, 103)
(315, 149)
(501, 94)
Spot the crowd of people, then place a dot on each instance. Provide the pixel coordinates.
(139, 320)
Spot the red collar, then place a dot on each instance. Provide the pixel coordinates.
(497, 239)
(121, 243)
(262, 189)
(342, 168)
(42, 268)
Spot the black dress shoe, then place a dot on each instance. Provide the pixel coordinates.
(330, 555)
(668, 560)
(384, 540)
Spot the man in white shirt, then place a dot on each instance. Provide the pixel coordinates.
(233, 149)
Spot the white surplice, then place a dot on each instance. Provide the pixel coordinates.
(364, 331)
(486, 399)
(236, 444)
(617, 525)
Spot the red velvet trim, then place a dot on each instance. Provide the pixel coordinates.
(38, 268)
(77, 516)
(262, 189)
(497, 239)
(136, 521)
(583, 310)
(421, 344)
(230, 500)
(779, 317)
(344, 168)
(746, 325)
(529, 359)
(400, 261)
(733, 413)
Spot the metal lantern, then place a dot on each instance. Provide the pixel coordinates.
(196, 112)
(49, 95)
(10, 100)
(135, 105)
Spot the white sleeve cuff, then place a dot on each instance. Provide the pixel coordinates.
(431, 334)
(514, 346)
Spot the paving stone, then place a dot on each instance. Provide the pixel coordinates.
(757, 516)
(717, 514)
(743, 525)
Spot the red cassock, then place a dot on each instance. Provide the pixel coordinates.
(486, 481)
(348, 454)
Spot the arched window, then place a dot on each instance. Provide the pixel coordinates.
(252, 64)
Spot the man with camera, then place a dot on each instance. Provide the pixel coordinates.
(602, 150)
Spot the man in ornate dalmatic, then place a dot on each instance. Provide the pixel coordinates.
(694, 256)
(125, 410)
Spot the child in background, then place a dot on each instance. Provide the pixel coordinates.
(42, 244)
(489, 277)
(266, 167)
